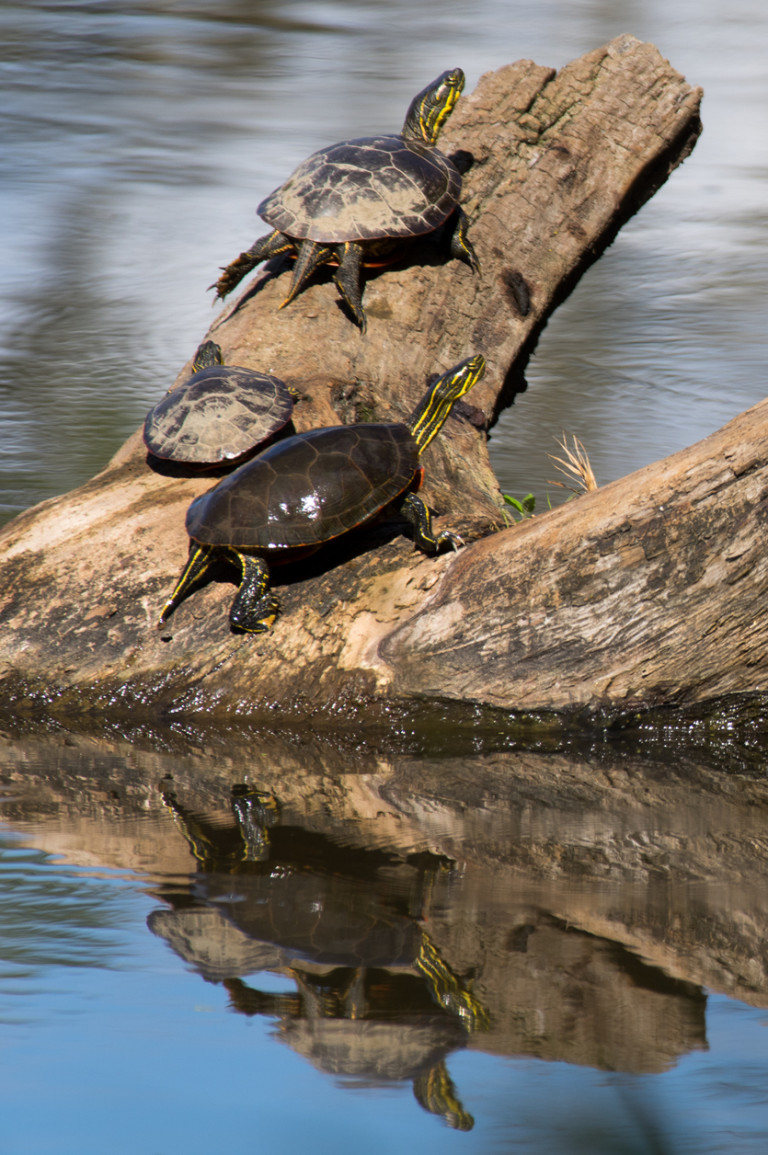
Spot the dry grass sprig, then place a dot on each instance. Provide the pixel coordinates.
(575, 465)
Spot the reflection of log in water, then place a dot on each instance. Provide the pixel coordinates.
(348, 939)
(592, 900)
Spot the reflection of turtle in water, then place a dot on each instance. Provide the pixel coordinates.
(355, 201)
(374, 996)
(343, 1024)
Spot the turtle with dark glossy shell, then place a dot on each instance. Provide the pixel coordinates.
(358, 200)
(309, 489)
(221, 414)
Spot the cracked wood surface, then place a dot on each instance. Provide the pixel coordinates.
(560, 162)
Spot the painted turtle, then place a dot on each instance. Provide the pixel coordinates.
(310, 488)
(356, 200)
(219, 415)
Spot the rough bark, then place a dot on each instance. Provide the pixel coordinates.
(584, 606)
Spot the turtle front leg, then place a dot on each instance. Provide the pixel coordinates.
(201, 558)
(461, 246)
(415, 511)
(347, 279)
(272, 245)
(254, 608)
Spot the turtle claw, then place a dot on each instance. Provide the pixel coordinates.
(267, 614)
(347, 280)
(232, 274)
(274, 244)
(461, 247)
(221, 290)
(452, 540)
(415, 511)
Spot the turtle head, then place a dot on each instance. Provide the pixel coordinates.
(207, 355)
(430, 414)
(432, 106)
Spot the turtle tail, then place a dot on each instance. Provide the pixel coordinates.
(311, 256)
(430, 414)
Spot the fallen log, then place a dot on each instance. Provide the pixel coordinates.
(583, 607)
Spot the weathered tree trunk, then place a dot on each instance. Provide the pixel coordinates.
(585, 606)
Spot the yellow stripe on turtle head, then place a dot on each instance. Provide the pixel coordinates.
(432, 106)
(430, 414)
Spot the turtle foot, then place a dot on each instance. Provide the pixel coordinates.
(232, 275)
(254, 608)
(259, 622)
(448, 540)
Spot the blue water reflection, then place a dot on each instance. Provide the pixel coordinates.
(503, 953)
(135, 1035)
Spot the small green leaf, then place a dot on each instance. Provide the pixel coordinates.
(525, 507)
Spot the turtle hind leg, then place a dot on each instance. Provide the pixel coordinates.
(272, 245)
(347, 279)
(201, 558)
(461, 246)
(311, 256)
(254, 608)
(415, 511)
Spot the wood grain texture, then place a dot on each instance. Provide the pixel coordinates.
(560, 161)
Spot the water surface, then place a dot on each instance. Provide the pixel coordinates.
(595, 925)
(139, 139)
(307, 949)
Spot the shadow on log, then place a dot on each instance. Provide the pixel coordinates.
(588, 606)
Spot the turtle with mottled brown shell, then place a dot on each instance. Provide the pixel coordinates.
(310, 489)
(357, 201)
(219, 416)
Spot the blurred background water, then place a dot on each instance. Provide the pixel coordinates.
(137, 140)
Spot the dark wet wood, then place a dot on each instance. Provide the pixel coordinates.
(585, 606)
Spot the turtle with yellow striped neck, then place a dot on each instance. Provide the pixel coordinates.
(311, 488)
(356, 202)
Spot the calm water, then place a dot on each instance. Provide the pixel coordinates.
(599, 927)
(138, 139)
(286, 947)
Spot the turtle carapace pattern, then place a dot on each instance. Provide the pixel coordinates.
(359, 200)
(220, 415)
(311, 488)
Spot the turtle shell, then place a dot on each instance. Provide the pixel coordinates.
(366, 189)
(221, 413)
(308, 488)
